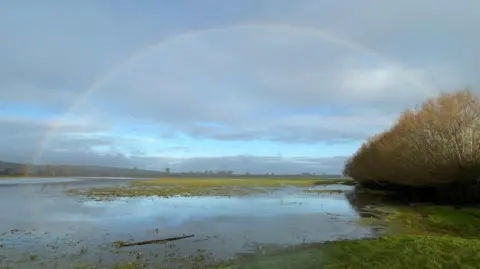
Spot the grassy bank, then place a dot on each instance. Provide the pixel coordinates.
(392, 252)
(167, 187)
(414, 237)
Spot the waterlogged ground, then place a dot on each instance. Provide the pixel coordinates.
(168, 187)
(43, 226)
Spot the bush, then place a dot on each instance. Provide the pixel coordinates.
(437, 143)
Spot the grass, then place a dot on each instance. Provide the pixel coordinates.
(421, 237)
(429, 220)
(392, 252)
(117, 266)
(168, 187)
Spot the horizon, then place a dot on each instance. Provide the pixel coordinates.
(170, 171)
(252, 86)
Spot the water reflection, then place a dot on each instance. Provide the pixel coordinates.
(222, 226)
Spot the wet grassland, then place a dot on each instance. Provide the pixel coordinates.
(168, 187)
(399, 235)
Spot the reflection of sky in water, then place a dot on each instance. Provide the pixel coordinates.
(52, 211)
(27, 204)
(221, 225)
(179, 209)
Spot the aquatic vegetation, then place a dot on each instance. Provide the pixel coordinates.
(128, 266)
(167, 187)
(165, 191)
(324, 191)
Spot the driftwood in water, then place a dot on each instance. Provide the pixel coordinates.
(120, 244)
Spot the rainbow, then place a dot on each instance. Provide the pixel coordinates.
(315, 32)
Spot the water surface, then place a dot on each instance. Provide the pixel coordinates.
(42, 225)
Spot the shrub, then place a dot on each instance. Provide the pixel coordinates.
(436, 143)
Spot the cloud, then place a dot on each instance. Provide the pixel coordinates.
(306, 128)
(78, 146)
(23, 138)
(261, 73)
(244, 84)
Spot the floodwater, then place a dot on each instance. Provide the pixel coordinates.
(41, 227)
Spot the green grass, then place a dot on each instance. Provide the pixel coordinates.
(448, 220)
(392, 252)
(430, 220)
(167, 187)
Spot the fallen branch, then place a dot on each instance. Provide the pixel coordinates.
(121, 244)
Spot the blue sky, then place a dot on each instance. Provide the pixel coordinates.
(259, 86)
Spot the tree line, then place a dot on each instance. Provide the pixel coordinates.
(49, 170)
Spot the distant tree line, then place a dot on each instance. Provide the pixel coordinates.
(16, 169)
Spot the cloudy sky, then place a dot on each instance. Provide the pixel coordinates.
(252, 85)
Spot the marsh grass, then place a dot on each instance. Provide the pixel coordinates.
(394, 252)
(428, 220)
(168, 187)
(167, 191)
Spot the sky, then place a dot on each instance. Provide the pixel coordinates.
(255, 85)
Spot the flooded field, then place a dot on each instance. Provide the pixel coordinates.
(42, 227)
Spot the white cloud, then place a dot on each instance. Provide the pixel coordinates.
(369, 83)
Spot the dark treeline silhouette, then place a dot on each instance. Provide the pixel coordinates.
(18, 169)
(432, 152)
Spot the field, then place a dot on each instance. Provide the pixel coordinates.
(168, 187)
(279, 210)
